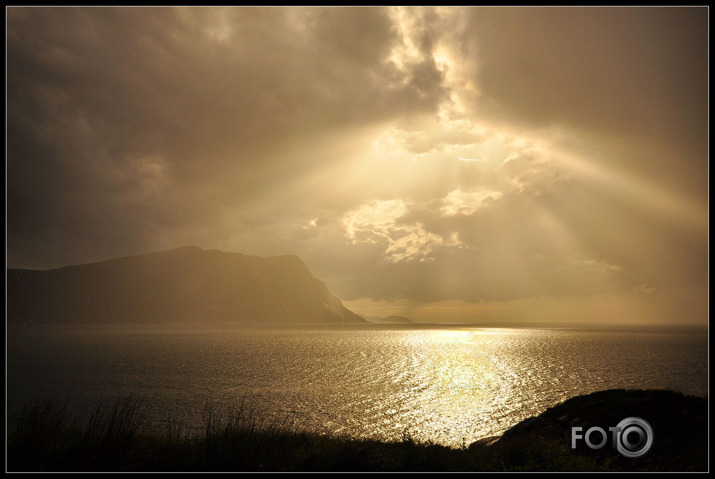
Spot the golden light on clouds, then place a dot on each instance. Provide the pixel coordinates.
(446, 164)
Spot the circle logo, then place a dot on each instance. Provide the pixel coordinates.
(634, 437)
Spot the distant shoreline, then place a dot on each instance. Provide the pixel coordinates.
(224, 325)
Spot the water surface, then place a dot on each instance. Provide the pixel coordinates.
(451, 386)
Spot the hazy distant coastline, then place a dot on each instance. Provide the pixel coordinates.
(392, 319)
(182, 285)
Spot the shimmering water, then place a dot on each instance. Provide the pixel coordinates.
(446, 385)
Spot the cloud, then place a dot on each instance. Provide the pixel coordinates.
(379, 222)
(218, 94)
(466, 203)
(637, 75)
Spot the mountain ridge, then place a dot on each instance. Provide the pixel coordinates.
(186, 283)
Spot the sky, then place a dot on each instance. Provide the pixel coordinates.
(453, 164)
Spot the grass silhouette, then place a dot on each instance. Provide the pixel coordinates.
(115, 437)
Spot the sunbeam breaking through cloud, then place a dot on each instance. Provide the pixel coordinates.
(454, 161)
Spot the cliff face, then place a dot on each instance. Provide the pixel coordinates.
(185, 284)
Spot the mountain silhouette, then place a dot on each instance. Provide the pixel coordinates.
(184, 284)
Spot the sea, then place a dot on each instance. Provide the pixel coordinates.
(448, 385)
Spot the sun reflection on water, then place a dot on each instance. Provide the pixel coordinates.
(446, 386)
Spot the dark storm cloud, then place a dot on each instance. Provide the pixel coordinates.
(211, 96)
(637, 75)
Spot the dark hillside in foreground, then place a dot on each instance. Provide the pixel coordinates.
(43, 439)
(185, 284)
(679, 425)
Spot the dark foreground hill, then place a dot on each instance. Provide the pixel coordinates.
(43, 439)
(185, 284)
(679, 426)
